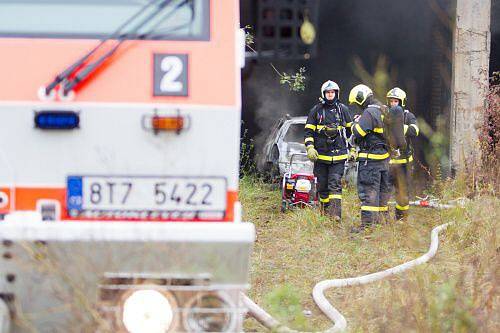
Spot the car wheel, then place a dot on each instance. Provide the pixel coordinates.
(274, 171)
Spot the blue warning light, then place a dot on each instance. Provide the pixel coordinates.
(54, 120)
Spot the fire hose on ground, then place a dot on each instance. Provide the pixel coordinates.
(339, 321)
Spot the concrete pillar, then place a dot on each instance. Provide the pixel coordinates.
(471, 52)
(4, 318)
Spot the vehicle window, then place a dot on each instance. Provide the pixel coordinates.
(179, 19)
(295, 133)
(273, 133)
(277, 125)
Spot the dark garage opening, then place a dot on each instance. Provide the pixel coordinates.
(382, 43)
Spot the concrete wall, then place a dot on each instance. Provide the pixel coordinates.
(4, 318)
(471, 51)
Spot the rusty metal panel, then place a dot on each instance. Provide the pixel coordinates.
(278, 28)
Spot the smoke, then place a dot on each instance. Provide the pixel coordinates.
(269, 102)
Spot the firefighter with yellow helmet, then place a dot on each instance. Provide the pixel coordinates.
(325, 135)
(400, 166)
(373, 156)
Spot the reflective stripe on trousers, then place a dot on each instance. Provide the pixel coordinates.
(329, 178)
(373, 190)
(400, 178)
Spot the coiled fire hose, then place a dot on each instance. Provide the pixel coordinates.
(340, 323)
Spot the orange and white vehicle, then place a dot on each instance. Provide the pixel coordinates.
(139, 136)
(115, 114)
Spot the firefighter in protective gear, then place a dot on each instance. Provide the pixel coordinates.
(327, 127)
(373, 156)
(401, 166)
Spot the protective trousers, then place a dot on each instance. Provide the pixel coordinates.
(400, 177)
(329, 178)
(373, 190)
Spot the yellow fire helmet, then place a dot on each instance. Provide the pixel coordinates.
(399, 94)
(359, 94)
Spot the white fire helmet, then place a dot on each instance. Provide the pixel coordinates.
(330, 85)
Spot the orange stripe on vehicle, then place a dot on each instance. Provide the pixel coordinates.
(27, 197)
(232, 198)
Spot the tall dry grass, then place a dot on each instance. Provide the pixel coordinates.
(455, 292)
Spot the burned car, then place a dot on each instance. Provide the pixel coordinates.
(285, 139)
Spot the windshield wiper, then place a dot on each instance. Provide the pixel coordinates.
(155, 34)
(152, 31)
(80, 62)
(84, 73)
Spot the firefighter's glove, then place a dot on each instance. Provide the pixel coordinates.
(331, 131)
(312, 153)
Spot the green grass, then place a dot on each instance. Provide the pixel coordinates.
(456, 291)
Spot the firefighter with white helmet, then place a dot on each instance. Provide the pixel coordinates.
(401, 166)
(373, 156)
(327, 127)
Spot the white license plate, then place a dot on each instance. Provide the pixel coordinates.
(125, 193)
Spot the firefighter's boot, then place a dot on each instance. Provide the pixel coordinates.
(384, 217)
(401, 215)
(324, 208)
(335, 209)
